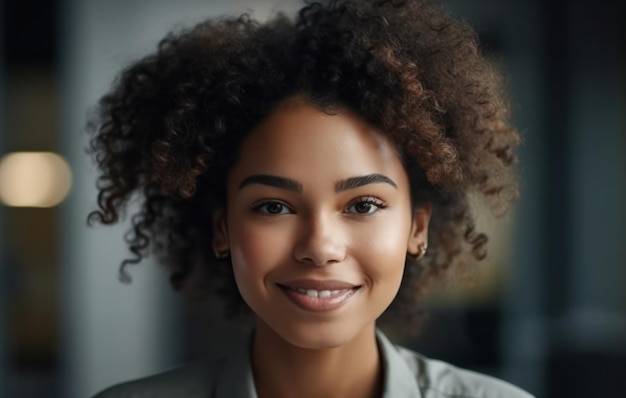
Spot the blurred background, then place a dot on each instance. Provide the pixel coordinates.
(547, 310)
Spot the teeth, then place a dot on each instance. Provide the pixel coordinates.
(316, 293)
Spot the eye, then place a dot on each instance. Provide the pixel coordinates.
(272, 208)
(366, 206)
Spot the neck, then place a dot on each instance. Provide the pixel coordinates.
(284, 370)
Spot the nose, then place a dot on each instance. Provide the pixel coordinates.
(321, 241)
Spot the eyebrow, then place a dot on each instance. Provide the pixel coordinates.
(294, 186)
(355, 182)
(272, 181)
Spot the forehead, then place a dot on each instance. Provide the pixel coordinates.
(300, 141)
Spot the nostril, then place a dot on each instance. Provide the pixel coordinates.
(320, 242)
(319, 256)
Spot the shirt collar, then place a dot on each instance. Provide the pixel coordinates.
(399, 381)
(236, 379)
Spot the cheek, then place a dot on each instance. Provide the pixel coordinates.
(256, 249)
(382, 250)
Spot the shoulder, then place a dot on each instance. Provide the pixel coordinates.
(189, 381)
(438, 379)
(227, 374)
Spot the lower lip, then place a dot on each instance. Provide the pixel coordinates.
(319, 304)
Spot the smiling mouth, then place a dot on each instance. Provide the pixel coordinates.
(317, 293)
(321, 299)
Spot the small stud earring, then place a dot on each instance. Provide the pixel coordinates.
(420, 254)
(222, 255)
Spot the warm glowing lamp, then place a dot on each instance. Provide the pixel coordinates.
(34, 179)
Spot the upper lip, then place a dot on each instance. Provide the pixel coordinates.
(319, 285)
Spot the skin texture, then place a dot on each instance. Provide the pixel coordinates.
(276, 235)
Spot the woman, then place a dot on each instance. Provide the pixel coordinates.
(318, 172)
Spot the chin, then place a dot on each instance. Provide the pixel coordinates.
(320, 336)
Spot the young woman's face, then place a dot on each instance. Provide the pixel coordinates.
(318, 224)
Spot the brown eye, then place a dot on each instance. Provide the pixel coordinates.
(272, 208)
(363, 207)
(366, 206)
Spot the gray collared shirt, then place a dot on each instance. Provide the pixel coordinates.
(406, 375)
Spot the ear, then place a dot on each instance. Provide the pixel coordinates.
(418, 237)
(220, 242)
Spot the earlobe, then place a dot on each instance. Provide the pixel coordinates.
(221, 245)
(418, 238)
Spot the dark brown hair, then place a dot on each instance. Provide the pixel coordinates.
(169, 130)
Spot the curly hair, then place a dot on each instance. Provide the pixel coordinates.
(169, 130)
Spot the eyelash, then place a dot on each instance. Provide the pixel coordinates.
(257, 208)
(368, 200)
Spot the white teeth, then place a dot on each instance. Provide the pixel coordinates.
(317, 293)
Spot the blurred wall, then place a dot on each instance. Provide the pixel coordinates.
(586, 267)
(3, 267)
